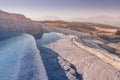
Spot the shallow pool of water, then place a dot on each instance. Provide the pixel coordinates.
(48, 38)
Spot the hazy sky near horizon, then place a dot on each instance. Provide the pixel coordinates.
(64, 9)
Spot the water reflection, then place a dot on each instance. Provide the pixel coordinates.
(48, 38)
(8, 35)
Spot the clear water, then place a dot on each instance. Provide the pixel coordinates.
(49, 37)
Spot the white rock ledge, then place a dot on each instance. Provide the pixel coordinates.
(20, 59)
(99, 52)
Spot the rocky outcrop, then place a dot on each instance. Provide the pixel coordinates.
(10, 22)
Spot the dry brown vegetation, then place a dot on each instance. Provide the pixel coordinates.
(109, 33)
(86, 27)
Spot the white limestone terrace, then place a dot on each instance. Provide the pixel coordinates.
(99, 52)
(11, 22)
(55, 64)
(88, 42)
(75, 56)
(20, 59)
(90, 66)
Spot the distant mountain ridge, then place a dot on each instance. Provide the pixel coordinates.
(11, 22)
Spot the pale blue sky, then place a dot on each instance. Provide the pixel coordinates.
(64, 9)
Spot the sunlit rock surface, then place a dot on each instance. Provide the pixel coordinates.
(88, 65)
(10, 22)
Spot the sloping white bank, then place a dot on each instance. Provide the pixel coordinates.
(99, 52)
(88, 42)
(20, 59)
(88, 66)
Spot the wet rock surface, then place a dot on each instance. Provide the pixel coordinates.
(88, 65)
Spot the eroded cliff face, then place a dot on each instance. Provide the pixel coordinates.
(10, 22)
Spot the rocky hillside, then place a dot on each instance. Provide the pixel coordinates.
(86, 27)
(10, 22)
